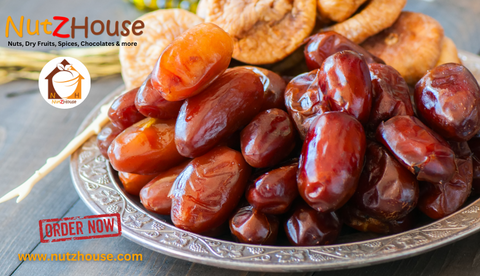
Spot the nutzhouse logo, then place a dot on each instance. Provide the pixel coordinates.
(64, 82)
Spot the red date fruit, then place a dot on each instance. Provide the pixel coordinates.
(122, 112)
(106, 136)
(251, 226)
(133, 183)
(192, 62)
(438, 200)
(422, 151)
(154, 195)
(461, 149)
(322, 45)
(331, 161)
(147, 147)
(345, 79)
(448, 100)
(274, 191)
(386, 190)
(273, 88)
(391, 95)
(268, 138)
(474, 145)
(305, 101)
(150, 103)
(307, 227)
(363, 222)
(228, 104)
(208, 190)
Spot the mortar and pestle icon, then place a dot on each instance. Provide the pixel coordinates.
(67, 82)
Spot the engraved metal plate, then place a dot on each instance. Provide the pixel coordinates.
(98, 188)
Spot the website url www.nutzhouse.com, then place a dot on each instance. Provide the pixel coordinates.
(80, 257)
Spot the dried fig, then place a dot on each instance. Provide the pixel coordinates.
(412, 45)
(449, 53)
(375, 17)
(201, 9)
(264, 31)
(338, 10)
(161, 28)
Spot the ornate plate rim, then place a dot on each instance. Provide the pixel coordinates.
(91, 179)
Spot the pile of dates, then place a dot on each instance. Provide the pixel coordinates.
(220, 148)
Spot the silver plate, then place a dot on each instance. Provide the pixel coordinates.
(98, 188)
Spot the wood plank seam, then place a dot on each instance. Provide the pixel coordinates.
(33, 249)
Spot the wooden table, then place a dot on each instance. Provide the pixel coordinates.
(31, 130)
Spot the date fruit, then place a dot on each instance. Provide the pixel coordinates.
(192, 62)
(273, 87)
(268, 138)
(344, 78)
(391, 95)
(122, 112)
(150, 103)
(386, 190)
(363, 222)
(208, 190)
(133, 183)
(322, 45)
(274, 191)
(228, 104)
(422, 151)
(154, 196)
(331, 161)
(474, 145)
(305, 101)
(438, 200)
(448, 100)
(307, 227)
(147, 147)
(106, 136)
(254, 227)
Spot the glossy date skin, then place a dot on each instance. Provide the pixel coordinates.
(147, 147)
(322, 45)
(154, 195)
(273, 87)
(363, 222)
(391, 96)
(305, 101)
(438, 200)
(328, 174)
(133, 183)
(208, 190)
(386, 190)
(150, 103)
(274, 191)
(307, 227)
(122, 112)
(448, 100)
(419, 149)
(106, 136)
(254, 227)
(228, 104)
(192, 62)
(268, 138)
(344, 78)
